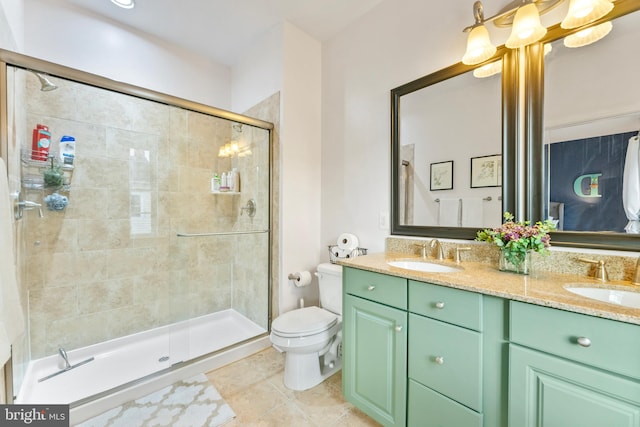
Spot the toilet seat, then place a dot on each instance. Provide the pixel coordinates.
(303, 322)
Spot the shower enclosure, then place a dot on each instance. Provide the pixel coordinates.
(130, 266)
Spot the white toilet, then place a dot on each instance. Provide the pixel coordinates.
(311, 337)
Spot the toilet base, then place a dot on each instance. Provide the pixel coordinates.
(304, 371)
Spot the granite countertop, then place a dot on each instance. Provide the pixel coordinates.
(541, 287)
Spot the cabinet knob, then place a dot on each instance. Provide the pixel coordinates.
(439, 360)
(370, 287)
(440, 305)
(584, 342)
(399, 328)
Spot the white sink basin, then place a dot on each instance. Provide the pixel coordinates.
(424, 266)
(613, 296)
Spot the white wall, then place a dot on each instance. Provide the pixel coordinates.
(300, 163)
(11, 25)
(396, 42)
(258, 74)
(71, 36)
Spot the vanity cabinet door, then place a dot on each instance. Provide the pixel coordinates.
(374, 359)
(548, 391)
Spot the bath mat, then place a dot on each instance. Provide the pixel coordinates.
(188, 403)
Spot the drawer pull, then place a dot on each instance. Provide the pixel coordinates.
(370, 288)
(440, 305)
(439, 360)
(584, 341)
(399, 328)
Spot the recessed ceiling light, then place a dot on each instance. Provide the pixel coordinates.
(127, 4)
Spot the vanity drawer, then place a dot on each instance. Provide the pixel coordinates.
(430, 409)
(450, 305)
(614, 346)
(446, 358)
(389, 290)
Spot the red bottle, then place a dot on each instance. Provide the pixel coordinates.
(40, 143)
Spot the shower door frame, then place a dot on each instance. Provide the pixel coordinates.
(9, 58)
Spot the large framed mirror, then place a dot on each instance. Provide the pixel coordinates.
(447, 152)
(591, 116)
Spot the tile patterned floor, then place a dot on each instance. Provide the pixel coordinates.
(255, 390)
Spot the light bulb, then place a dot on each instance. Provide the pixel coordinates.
(582, 12)
(588, 35)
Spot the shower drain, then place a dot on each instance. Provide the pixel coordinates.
(163, 359)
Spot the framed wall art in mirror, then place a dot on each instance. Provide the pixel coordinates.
(441, 176)
(486, 171)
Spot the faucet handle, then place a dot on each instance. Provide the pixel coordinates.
(601, 270)
(423, 249)
(458, 250)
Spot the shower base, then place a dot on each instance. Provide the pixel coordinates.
(122, 368)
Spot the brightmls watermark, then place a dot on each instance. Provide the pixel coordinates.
(34, 415)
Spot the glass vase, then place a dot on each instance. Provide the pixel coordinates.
(522, 267)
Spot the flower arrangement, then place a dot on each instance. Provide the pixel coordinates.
(517, 239)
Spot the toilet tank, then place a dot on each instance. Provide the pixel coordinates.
(330, 286)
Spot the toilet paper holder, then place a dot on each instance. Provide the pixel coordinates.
(294, 276)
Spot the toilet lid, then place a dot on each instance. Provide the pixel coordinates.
(303, 321)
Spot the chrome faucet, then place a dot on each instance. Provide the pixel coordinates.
(636, 274)
(435, 244)
(65, 359)
(601, 271)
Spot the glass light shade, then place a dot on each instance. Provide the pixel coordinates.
(582, 12)
(479, 47)
(488, 70)
(527, 28)
(127, 4)
(588, 35)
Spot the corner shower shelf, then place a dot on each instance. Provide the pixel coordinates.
(32, 173)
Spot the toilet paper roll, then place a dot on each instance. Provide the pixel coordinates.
(303, 278)
(347, 241)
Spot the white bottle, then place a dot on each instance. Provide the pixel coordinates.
(224, 186)
(230, 179)
(235, 187)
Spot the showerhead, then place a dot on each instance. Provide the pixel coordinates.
(45, 83)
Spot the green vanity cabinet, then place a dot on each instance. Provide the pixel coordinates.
(374, 355)
(444, 368)
(570, 369)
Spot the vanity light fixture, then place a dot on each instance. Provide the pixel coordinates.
(588, 35)
(126, 4)
(524, 18)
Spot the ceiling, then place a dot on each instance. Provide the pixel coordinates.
(223, 29)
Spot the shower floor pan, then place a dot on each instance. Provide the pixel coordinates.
(127, 359)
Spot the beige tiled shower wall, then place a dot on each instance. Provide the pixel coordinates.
(111, 264)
